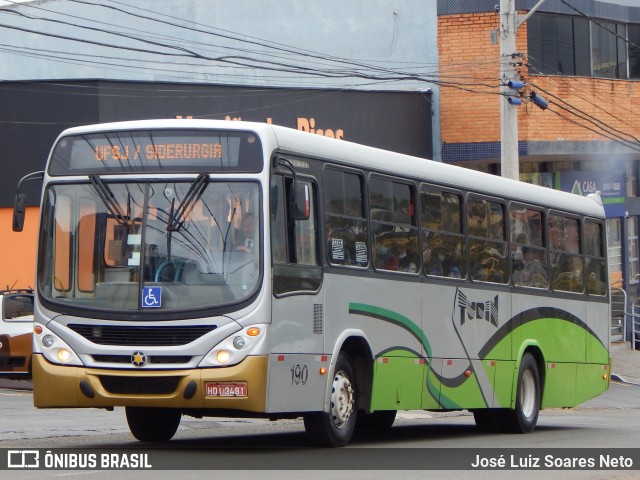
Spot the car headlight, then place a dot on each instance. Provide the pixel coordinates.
(235, 348)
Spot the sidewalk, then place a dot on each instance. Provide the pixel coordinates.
(625, 363)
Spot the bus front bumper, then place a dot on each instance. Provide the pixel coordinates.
(56, 386)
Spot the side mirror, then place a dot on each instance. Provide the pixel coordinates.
(18, 212)
(300, 206)
(19, 202)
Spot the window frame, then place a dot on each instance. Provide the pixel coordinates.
(461, 235)
(563, 253)
(412, 228)
(529, 276)
(489, 261)
(363, 218)
(291, 277)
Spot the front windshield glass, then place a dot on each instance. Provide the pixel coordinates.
(150, 247)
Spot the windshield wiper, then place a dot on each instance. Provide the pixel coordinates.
(178, 215)
(108, 198)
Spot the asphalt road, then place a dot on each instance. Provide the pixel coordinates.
(262, 448)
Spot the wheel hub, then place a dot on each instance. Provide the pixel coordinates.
(528, 394)
(342, 399)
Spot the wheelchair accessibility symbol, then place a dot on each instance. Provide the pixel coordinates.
(151, 297)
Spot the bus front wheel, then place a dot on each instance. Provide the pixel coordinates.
(153, 424)
(335, 428)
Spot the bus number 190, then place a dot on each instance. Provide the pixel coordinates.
(299, 374)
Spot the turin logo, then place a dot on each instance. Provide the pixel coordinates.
(487, 310)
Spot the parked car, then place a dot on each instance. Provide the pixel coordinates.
(16, 330)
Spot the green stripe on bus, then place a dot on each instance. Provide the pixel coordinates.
(392, 317)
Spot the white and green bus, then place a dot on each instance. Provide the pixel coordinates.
(211, 268)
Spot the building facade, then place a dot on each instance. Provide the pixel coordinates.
(582, 57)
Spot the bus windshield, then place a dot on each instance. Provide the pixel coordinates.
(150, 246)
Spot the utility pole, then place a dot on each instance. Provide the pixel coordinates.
(508, 112)
(509, 25)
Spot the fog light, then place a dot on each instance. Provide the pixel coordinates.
(63, 355)
(239, 343)
(47, 341)
(223, 356)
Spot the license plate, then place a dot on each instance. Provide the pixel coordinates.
(226, 389)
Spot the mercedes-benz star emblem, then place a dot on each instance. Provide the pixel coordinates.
(138, 359)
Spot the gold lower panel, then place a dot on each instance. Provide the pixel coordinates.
(56, 386)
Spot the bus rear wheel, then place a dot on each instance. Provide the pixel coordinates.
(335, 428)
(524, 417)
(153, 424)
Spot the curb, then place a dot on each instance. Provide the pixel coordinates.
(617, 378)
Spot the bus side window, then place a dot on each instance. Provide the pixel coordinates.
(294, 242)
(487, 242)
(528, 254)
(346, 226)
(393, 225)
(567, 265)
(596, 271)
(443, 243)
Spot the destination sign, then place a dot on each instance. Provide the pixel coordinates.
(157, 151)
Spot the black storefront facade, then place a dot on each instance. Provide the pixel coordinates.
(34, 113)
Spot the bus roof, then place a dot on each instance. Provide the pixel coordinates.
(288, 140)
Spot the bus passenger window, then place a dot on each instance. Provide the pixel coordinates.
(487, 244)
(596, 271)
(346, 227)
(528, 255)
(567, 266)
(443, 243)
(393, 224)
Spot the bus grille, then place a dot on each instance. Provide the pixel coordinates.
(142, 336)
(139, 385)
(151, 359)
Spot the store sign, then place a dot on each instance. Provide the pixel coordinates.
(610, 184)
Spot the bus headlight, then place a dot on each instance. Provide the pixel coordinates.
(234, 349)
(64, 355)
(223, 357)
(54, 349)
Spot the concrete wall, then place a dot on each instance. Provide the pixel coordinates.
(221, 41)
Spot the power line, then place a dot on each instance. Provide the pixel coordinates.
(381, 73)
(461, 77)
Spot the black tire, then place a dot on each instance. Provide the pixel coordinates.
(153, 424)
(524, 417)
(335, 429)
(379, 421)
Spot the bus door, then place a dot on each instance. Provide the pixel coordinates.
(297, 331)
